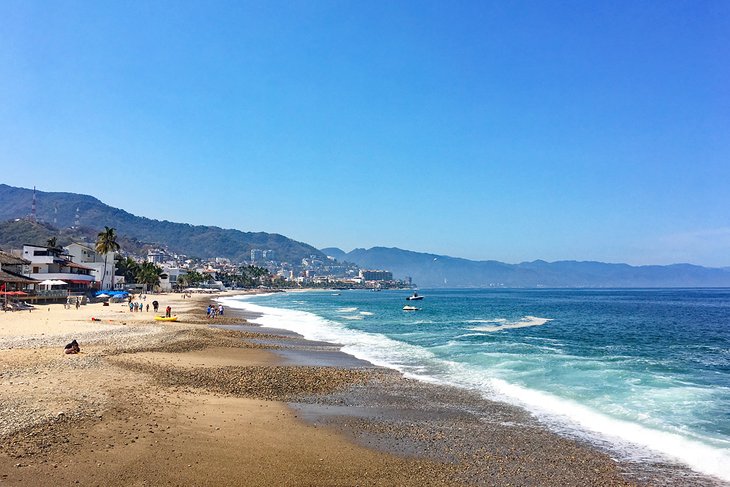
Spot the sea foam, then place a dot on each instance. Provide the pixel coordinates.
(628, 438)
(525, 322)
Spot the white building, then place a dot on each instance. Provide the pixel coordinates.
(52, 263)
(171, 273)
(156, 256)
(86, 255)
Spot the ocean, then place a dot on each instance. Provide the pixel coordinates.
(643, 373)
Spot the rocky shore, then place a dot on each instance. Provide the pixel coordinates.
(187, 404)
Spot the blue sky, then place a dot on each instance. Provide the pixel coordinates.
(488, 130)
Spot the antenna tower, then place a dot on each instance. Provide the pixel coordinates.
(32, 207)
(76, 218)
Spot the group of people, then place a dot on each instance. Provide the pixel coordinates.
(72, 301)
(135, 306)
(214, 311)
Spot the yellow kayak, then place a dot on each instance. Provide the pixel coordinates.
(164, 318)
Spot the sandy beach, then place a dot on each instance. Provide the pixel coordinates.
(150, 403)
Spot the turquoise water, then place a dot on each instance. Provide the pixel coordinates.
(646, 371)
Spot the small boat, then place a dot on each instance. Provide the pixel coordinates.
(415, 297)
(165, 318)
(411, 308)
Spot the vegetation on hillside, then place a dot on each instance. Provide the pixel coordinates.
(198, 240)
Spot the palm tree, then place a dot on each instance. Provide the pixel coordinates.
(128, 267)
(149, 274)
(106, 241)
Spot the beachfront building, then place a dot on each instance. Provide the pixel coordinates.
(170, 276)
(12, 279)
(51, 263)
(103, 272)
(370, 275)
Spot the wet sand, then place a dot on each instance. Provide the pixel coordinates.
(187, 404)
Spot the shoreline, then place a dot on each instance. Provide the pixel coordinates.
(186, 402)
(656, 470)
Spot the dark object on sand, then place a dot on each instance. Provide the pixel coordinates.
(72, 347)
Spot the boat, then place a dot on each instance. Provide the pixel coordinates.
(415, 297)
(165, 318)
(411, 308)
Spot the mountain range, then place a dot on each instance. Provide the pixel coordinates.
(432, 270)
(425, 269)
(192, 240)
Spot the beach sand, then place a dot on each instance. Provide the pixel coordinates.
(149, 403)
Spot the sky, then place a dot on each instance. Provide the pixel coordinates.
(511, 131)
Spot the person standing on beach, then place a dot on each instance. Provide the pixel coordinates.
(168, 312)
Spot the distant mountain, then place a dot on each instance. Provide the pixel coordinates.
(432, 270)
(193, 240)
(338, 254)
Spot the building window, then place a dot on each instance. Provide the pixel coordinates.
(36, 270)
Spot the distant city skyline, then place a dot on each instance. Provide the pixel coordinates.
(483, 130)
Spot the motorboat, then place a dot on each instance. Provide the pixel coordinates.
(415, 297)
(411, 308)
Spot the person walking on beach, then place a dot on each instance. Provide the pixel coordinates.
(155, 305)
(168, 312)
(220, 310)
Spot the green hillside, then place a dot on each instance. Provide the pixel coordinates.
(193, 240)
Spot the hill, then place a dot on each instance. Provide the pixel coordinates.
(193, 240)
(432, 270)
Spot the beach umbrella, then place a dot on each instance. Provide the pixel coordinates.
(102, 295)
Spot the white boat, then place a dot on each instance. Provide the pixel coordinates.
(411, 308)
(415, 297)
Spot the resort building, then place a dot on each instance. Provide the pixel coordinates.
(50, 263)
(103, 272)
(368, 275)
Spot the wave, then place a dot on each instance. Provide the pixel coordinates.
(552, 409)
(366, 313)
(525, 322)
(630, 439)
(347, 310)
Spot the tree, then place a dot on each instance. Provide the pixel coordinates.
(52, 242)
(149, 274)
(106, 241)
(128, 267)
(192, 278)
